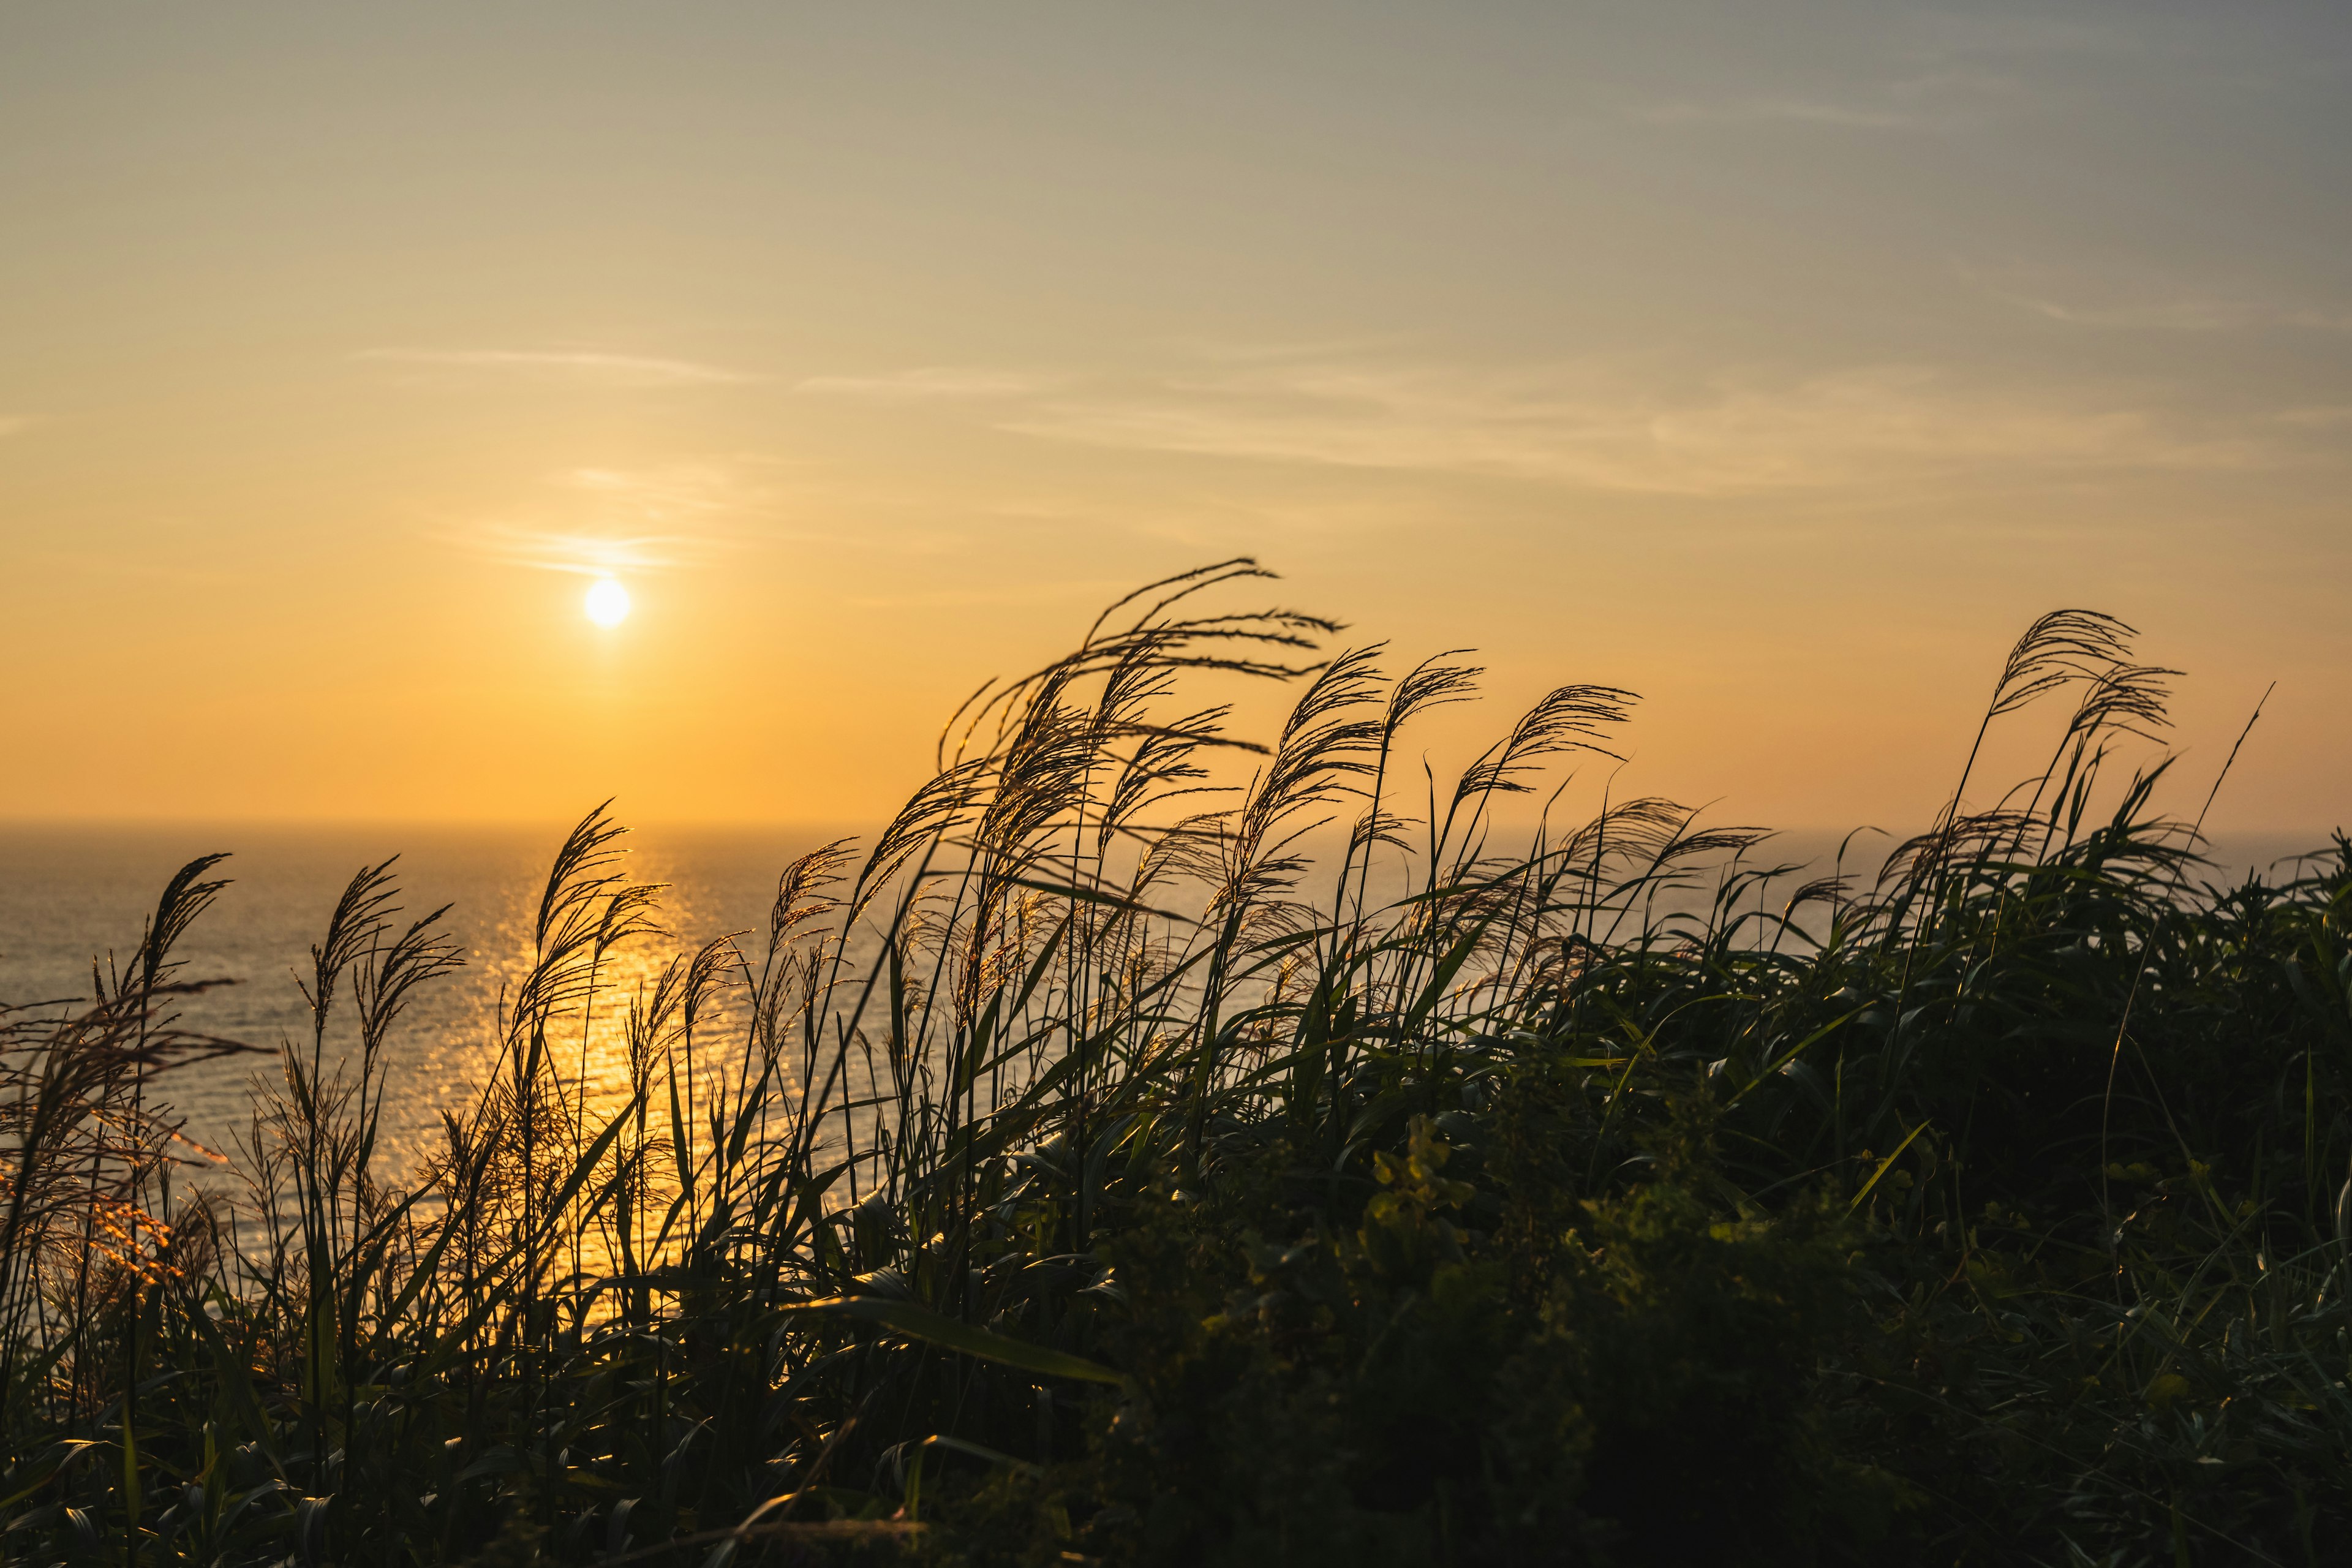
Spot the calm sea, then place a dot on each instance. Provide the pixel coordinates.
(69, 894)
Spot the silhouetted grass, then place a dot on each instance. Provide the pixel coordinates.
(1088, 1174)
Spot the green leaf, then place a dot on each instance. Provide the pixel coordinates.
(236, 1378)
(922, 1323)
(73, 1447)
(1095, 896)
(1884, 1167)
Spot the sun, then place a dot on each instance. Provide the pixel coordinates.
(607, 602)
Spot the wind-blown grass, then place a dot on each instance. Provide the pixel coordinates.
(1087, 1173)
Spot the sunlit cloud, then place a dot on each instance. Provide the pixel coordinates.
(588, 554)
(675, 493)
(1610, 428)
(605, 521)
(1078, 591)
(574, 364)
(11, 423)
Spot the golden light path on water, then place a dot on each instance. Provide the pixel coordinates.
(588, 1044)
(693, 1082)
(68, 895)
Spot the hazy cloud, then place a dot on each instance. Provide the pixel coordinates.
(1087, 591)
(2323, 416)
(1792, 111)
(589, 554)
(1949, 67)
(605, 521)
(2185, 315)
(10, 424)
(2020, 37)
(1939, 99)
(2124, 298)
(1613, 428)
(928, 382)
(574, 364)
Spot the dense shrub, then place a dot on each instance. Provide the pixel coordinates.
(1076, 1190)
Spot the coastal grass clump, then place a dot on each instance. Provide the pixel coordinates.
(1088, 1170)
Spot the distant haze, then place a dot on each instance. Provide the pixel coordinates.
(1778, 362)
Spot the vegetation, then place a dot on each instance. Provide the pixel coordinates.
(1075, 1187)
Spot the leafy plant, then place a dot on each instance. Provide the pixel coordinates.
(1059, 1178)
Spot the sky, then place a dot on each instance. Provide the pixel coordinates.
(1779, 361)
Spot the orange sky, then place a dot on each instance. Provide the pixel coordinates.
(1778, 362)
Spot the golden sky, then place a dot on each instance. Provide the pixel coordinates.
(1778, 362)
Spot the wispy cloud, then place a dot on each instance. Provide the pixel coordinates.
(1939, 98)
(1765, 110)
(2187, 314)
(2320, 416)
(588, 554)
(2140, 299)
(929, 382)
(610, 523)
(574, 365)
(12, 423)
(1083, 591)
(1943, 68)
(2019, 37)
(1613, 428)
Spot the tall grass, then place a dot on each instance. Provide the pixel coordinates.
(1084, 1169)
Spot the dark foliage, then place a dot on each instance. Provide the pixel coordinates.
(1068, 1185)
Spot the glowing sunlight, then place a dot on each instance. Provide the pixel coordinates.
(607, 602)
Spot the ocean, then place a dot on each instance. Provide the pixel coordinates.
(71, 894)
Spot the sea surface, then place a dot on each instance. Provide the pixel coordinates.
(70, 895)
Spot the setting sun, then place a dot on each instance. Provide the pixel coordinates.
(1466, 677)
(608, 603)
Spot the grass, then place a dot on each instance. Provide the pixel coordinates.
(1084, 1171)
